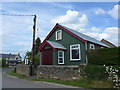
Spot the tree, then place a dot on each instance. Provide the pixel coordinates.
(3, 62)
(29, 55)
(37, 44)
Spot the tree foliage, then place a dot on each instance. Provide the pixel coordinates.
(37, 44)
(3, 63)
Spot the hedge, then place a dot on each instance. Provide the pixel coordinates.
(99, 72)
(104, 56)
(94, 72)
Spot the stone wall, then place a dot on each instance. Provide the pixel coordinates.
(23, 69)
(58, 72)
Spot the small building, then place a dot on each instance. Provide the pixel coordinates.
(11, 59)
(64, 46)
(108, 43)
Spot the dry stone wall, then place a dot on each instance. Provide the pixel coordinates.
(58, 72)
(23, 69)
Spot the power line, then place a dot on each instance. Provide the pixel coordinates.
(17, 15)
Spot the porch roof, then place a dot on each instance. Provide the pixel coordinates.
(56, 45)
(53, 45)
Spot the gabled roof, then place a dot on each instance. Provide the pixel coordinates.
(85, 37)
(53, 45)
(78, 35)
(9, 55)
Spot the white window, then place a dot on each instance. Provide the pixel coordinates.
(92, 46)
(59, 35)
(60, 57)
(75, 52)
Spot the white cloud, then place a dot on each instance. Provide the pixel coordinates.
(109, 33)
(112, 30)
(24, 43)
(96, 29)
(113, 12)
(104, 35)
(65, 6)
(72, 19)
(100, 11)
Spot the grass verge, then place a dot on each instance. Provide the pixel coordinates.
(11, 73)
(83, 83)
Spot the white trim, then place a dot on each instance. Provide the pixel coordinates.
(71, 52)
(92, 45)
(56, 34)
(86, 45)
(61, 57)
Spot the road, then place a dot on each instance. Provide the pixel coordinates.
(13, 82)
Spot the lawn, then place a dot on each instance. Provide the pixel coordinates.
(11, 73)
(84, 83)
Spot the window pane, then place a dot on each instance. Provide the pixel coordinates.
(75, 54)
(60, 60)
(59, 35)
(60, 54)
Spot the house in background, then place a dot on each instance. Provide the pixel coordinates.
(11, 59)
(64, 46)
(107, 43)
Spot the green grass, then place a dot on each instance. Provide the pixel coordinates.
(83, 83)
(11, 73)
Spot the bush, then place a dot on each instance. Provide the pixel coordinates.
(94, 72)
(105, 56)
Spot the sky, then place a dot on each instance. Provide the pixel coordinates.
(96, 19)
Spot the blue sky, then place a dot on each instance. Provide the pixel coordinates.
(98, 20)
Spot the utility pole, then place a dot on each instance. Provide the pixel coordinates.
(33, 47)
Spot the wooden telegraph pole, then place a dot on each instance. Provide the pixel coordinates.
(33, 47)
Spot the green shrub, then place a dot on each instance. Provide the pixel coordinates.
(37, 59)
(105, 56)
(94, 72)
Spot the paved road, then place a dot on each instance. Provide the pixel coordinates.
(13, 82)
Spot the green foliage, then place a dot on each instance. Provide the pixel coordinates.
(29, 55)
(94, 72)
(105, 56)
(37, 44)
(3, 63)
(37, 59)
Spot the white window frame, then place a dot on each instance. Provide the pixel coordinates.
(73, 49)
(61, 57)
(57, 34)
(92, 45)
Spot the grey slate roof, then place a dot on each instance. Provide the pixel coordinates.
(9, 55)
(85, 37)
(56, 45)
